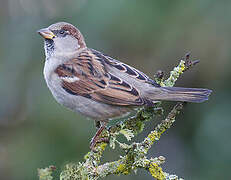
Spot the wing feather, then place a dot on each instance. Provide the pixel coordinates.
(87, 76)
(125, 68)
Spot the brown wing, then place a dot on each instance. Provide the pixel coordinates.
(124, 68)
(87, 76)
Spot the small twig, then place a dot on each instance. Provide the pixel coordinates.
(163, 126)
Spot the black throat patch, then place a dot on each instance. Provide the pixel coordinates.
(49, 46)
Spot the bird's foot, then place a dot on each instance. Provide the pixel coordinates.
(94, 141)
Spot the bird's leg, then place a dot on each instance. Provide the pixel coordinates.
(96, 138)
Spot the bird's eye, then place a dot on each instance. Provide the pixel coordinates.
(61, 32)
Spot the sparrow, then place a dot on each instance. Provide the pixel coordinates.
(98, 86)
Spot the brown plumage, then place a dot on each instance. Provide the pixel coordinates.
(95, 82)
(75, 33)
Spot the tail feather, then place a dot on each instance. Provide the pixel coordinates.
(181, 94)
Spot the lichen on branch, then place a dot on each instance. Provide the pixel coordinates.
(134, 153)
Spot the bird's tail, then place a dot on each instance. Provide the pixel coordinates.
(180, 94)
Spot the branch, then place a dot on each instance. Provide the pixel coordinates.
(135, 153)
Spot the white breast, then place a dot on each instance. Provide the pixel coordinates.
(54, 84)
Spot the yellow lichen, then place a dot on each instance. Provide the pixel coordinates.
(182, 67)
(100, 148)
(156, 171)
(121, 169)
(153, 136)
(174, 75)
(103, 146)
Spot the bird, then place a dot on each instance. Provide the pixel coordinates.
(98, 86)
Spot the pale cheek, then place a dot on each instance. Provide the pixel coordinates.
(67, 44)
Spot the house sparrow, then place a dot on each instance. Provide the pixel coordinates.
(96, 85)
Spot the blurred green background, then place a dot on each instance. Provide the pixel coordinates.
(36, 132)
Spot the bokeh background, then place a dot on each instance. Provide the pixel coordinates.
(36, 132)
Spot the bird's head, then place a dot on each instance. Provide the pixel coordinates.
(61, 38)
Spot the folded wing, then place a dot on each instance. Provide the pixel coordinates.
(87, 76)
